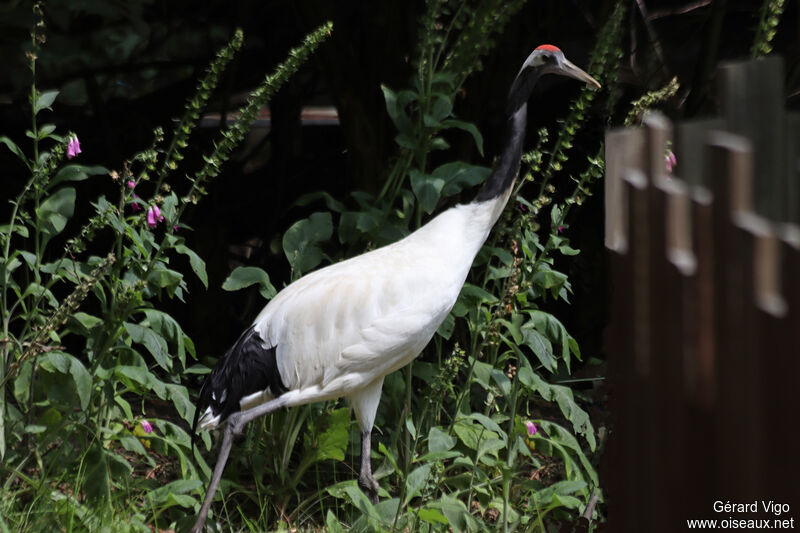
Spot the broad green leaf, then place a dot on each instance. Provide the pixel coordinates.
(416, 481)
(442, 107)
(244, 276)
(75, 173)
(54, 212)
(196, 262)
(136, 375)
(154, 343)
(456, 513)
(446, 327)
(427, 188)
(330, 202)
(468, 127)
(97, 482)
(471, 297)
(18, 228)
(164, 278)
(433, 516)
(332, 524)
(11, 145)
(179, 395)
(439, 441)
(458, 176)
(160, 495)
(541, 347)
(332, 441)
(395, 108)
(44, 101)
(301, 239)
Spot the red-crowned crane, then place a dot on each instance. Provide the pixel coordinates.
(339, 331)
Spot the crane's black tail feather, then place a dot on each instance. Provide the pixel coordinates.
(249, 366)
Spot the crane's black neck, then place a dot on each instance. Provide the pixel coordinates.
(507, 166)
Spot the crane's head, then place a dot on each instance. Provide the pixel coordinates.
(545, 59)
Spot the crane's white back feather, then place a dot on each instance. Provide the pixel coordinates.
(340, 328)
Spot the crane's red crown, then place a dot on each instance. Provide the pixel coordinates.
(549, 48)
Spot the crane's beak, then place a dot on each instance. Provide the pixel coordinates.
(569, 69)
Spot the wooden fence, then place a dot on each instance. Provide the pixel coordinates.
(704, 339)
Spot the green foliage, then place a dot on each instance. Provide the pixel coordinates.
(88, 363)
(771, 11)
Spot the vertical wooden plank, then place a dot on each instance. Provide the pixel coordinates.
(632, 508)
(699, 362)
(622, 465)
(623, 151)
(783, 353)
(673, 309)
(689, 148)
(751, 95)
(774, 331)
(793, 167)
(730, 170)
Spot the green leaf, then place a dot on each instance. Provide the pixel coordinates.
(439, 441)
(301, 239)
(54, 212)
(18, 228)
(75, 173)
(97, 482)
(432, 516)
(179, 395)
(456, 513)
(447, 327)
(416, 482)
(541, 347)
(45, 130)
(471, 297)
(164, 277)
(196, 262)
(154, 343)
(160, 496)
(332, 441)
(332, 524)
(395, 107)
(442, 107)
(244, 276)
(44, 101)
(468, 127)
(15, 149)
(330, 202)
(458, 176)
(427, 188)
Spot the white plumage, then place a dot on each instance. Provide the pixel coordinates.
(339, 331)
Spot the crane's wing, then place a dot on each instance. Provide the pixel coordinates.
(364, 318)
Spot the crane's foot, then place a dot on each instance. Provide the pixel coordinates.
(370, 487)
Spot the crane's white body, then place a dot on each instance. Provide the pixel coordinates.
(338, 331)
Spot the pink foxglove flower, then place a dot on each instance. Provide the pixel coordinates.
(74, 147)
(670, 161)
(154, 216)
(147, 427)
(131, 184)
(531, 428)
(135, 205)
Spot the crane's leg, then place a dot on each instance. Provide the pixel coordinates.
(222, 459)
(365, 479)
(233, 426)
(365, 404)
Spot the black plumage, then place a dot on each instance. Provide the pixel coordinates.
(249, 366)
